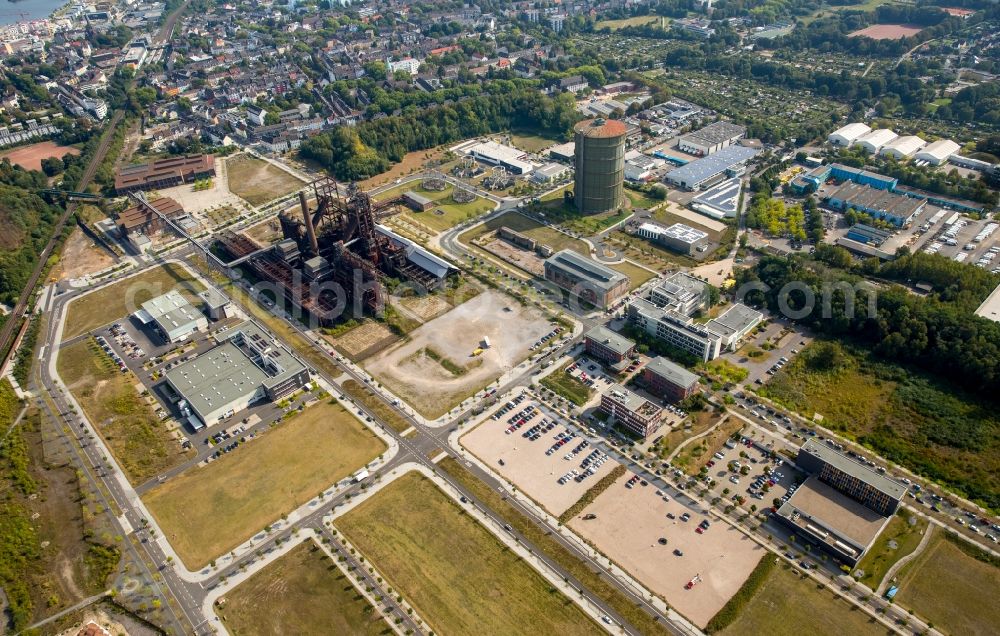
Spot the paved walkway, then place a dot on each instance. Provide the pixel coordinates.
(891, 573)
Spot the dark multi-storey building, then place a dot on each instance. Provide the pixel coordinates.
(590, 281)
(631, 411)
(608, 347)
(668, 380)
(854, 479)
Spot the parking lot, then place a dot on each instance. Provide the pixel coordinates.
(536, 450)
(783, 340)
(753, 472)
(693, 560)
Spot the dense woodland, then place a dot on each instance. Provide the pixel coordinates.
(372, 146)
(938, 333)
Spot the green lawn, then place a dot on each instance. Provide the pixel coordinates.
(541, 233)
(116, 301)
(641, 200)
(209, 510)
(930, 427)
(614, 25)
(302, 592)
(636, 275)
(881, 556)
(789, 604)
(457, 575)
(567, 386)
(531, 142)
(446, 213)
(138, 439)
(946, 585)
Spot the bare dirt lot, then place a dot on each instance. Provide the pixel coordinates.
(434, 370)
(629, 524)
(30, 157)
(527, 465)
(888, 31)
(81, 256)
(257, 181)
(426, 307)
(369, 336)
(265, 232)
(527, 260)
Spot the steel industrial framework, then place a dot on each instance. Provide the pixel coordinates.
(338, 241)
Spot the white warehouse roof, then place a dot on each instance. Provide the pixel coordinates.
(846, 135)
(902, 147)
(874, 140)
(937, 152)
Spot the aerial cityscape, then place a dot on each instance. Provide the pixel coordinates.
(637, 317)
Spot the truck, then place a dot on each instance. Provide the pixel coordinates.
(360, 476)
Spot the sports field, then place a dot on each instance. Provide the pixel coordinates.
(139, 441)
(116, 301)
(257, 181)
(30, 157)
(457, 575)
(209, 510)
(302, 592)
(790, 605)
(949, 587)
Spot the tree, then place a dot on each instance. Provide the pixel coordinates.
(52, 166)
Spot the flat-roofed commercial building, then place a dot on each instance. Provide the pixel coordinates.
(851, 477)
(245, 366)
(164, 173)
(173, 317)
(681, 292)
(631, 411)
(669, 380)
(880, 204)
(711, 138)
(705, 341)
(680, 238)
(589, 280)
(701, 173)
(494, 154)
(608, 347)
(844, 504)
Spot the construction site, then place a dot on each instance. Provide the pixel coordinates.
(336, 254)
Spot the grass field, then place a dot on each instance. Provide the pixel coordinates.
(614, 25)
(788, 601)
(541, 233)
(947, 586)
(207, 511)
(567, 386)
(593, 581)
(881, 556)
(531, 142)
(302, 592)
(641, 200)
(636, 275)
(457, 575)
(137, 438)
(696, 454)
(930, 427)
(257, 181)
(116, 301)
(451, 213)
